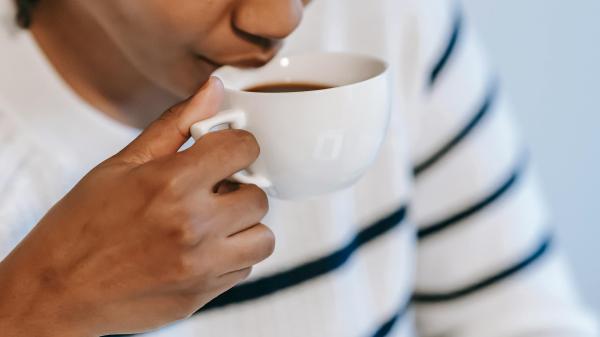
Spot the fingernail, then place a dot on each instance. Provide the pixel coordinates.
(208, 99)
(210, 84)
(214, 81)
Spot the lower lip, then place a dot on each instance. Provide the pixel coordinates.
(250, 64)
(209, 61)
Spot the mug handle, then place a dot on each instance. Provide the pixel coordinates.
(235, 119)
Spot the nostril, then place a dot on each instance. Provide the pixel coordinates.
(263, 42)
(267, 19)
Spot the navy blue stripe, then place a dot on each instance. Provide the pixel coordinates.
(307, 271)
(428, 230)
(388, 325)
(483, 110)
(541, 250)
(449, 51)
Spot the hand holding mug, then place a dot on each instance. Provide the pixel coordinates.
(142, 240)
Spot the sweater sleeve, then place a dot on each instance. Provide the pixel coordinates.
(488, 261)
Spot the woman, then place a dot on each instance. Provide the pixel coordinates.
(150, 235)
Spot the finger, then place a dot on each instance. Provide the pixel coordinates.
(235, 277)
(170, 131)
(220, 154)
(241, 209)
(230, 279)
(248, 247)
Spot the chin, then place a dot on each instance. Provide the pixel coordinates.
(191, 80)
(182, 88)
(196, 84)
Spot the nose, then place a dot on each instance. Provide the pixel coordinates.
(267, 19)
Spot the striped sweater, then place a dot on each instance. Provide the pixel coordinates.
(444, 236)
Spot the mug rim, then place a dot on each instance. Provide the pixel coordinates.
(384, 68)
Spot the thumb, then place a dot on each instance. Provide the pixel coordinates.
(170, 131)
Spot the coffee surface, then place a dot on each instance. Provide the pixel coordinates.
(287, 87)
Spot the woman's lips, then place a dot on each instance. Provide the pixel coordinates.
(212, 63)
(246, 61)
(249, 63)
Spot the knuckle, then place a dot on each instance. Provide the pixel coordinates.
(185, 234)
(266, 244)
(258, 198)
(170, 187)
(169, 115)
(167, 121)
(165, 117)
(189, 271)
(171, 111)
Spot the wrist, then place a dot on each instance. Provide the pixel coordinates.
(44, 329)
(27, 309)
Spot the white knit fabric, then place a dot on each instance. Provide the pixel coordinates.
(472, 247)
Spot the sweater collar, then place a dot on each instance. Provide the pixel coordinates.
(31, 89)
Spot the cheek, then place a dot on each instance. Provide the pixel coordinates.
(176, 70)
(173, 24)
(156, 37)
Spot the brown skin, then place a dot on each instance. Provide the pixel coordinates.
(162, 50)
(143, 239)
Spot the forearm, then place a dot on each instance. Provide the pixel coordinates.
(12, 328)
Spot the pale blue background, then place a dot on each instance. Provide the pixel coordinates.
(548, 54)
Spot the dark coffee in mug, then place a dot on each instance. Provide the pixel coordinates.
(287, 87)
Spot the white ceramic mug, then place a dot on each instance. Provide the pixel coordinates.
(312, 142)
